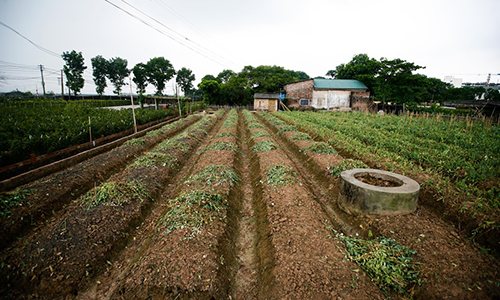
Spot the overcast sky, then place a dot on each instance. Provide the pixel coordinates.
(460, 38)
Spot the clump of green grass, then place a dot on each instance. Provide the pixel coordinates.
(255, 125)
(12, 199)
(388, 263)
(258, 134)
(135, 142)
(115, 194)
(192, 210)
(280, 175)
(301, 136)
(287, 128)
(226, 134)
(214, 175)
(319, 147)
(346, 164)
(264, 146)
(221, 145)
(155, 160)
(173, 144)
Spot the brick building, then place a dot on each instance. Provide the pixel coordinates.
(327, 93)
(263, 101)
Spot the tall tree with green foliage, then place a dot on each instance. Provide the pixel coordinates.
(117, 72)
(99, 71)
(225, 75)
(211, 91)
(73, 69)
(270, 79)
(159, 71)
(140, 77)
(184, 79)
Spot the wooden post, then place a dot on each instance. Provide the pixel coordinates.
(90, 130)
(132, 102)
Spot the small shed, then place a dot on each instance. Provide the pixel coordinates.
(326, 93)
(265, 101)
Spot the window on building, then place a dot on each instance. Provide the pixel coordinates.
(304, 102)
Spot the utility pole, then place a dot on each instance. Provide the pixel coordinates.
(62, 85)
(43, 82)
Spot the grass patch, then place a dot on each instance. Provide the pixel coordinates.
(258, 134)
(287, 128)
(12, 199)
(226, 134)
(346, 164)
(388, 263)
(220, 145)
(264, 146)
(319, 147)
(192, 210)
(155, 160)
(280, 175)
(135, 142)
(115, 194)
(214, 175)
(301, 136)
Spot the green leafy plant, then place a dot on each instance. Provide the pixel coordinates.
(279, 175)
(259, 133)
(264, 146)
(226, 134)
(135, 142)
(214, 175)
(319, 147)
(220, 145)
(287, 128)
(154, 159)
(344, 165)
(12, 199)
(115, 194)
(301, 136)
(388, 263)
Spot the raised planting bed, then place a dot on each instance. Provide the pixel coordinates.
(31, 204)
(78, 244)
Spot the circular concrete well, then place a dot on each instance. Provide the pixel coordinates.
(377, 192)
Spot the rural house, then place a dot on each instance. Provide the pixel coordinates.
(269, 102)
(327, 93)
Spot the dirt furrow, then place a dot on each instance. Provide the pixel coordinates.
(62, 259)
(309, 263)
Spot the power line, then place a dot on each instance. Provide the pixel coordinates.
(33, 43)
(163, 33)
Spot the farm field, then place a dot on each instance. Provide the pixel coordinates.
(242, 205)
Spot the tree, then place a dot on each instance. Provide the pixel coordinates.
(361, 67)
(140, 77)
(225, 75)
(211, 91)
(492, 95)
(185, 78)
(73, 69)
(269, 79)
(117, 72)
(99, 71)
(236, 92)
(159, 71)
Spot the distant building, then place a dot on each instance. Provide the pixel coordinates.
(263, 101)
(327, 93)
(456, 82)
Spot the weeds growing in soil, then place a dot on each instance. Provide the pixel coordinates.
(192, 210)
(388, 263)
(155, 160)
(279, 175)
(346, 164)
(264, 146)
(115, 194)
(301, 136)
(319, 147)
(220, 145)
(13, 199)
(214, 175)
(135, 142)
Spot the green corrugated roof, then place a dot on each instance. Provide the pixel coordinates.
(339, 84)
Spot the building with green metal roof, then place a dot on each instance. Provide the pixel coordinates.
(330, 94)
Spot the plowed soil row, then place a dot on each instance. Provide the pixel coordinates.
(78, 244)
(50, 194)
(451, 267)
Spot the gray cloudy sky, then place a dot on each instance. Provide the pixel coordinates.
(449, 37)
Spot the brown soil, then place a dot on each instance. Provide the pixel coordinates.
(271, 242)
(372, 180)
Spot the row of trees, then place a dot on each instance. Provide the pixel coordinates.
(157, 71)
(231, 88)
(395, 81)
